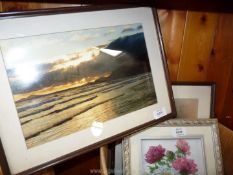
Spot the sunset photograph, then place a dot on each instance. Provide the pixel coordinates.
(63, 82)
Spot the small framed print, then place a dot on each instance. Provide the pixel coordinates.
(194, 100)
(73, 73)
(176, 147)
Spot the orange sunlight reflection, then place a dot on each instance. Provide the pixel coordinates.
(53, 89)
(83, 56)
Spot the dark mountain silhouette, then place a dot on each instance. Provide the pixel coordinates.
(133, 45)
(132, 61)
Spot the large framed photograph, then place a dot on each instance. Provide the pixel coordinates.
(175, 147)
(194, 100)
(73, 79)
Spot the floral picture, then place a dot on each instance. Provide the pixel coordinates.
(173, 157)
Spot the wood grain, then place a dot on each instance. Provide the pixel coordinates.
(197, 5)
(226, 139)
(197, 45)
(172, 25)
(19, 6)
(221, 62)
(0, 6)
(227, 113)
(225, 40)
(103, 160)
(56, 5)
(219, 72)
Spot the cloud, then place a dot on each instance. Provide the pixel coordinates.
(129, 29)
(83, 37)
(139, 27)
(32, 41)
(42, 43)
(109, 32)
(132, 28)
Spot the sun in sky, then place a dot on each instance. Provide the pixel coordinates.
(25, 54)
(27, 74)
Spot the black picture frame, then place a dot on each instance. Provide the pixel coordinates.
(208, 90)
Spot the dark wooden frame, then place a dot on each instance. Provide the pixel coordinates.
(44, 12)
(194, 5)
(213, 92)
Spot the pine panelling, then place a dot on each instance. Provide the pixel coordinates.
(227, 112)
(172, 27)
(226, 43)
(55, 5)
(226, 139)
(17, 6)
(0, 6)
(220, 65)
(197, 45)
(219, 71)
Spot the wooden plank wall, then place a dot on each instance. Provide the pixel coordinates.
(198, 46)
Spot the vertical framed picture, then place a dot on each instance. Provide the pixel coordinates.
(174, 147)
(73, 73)
(194, 100)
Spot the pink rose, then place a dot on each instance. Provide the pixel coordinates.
(184, 165)
(154, 154)
(183, 146)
